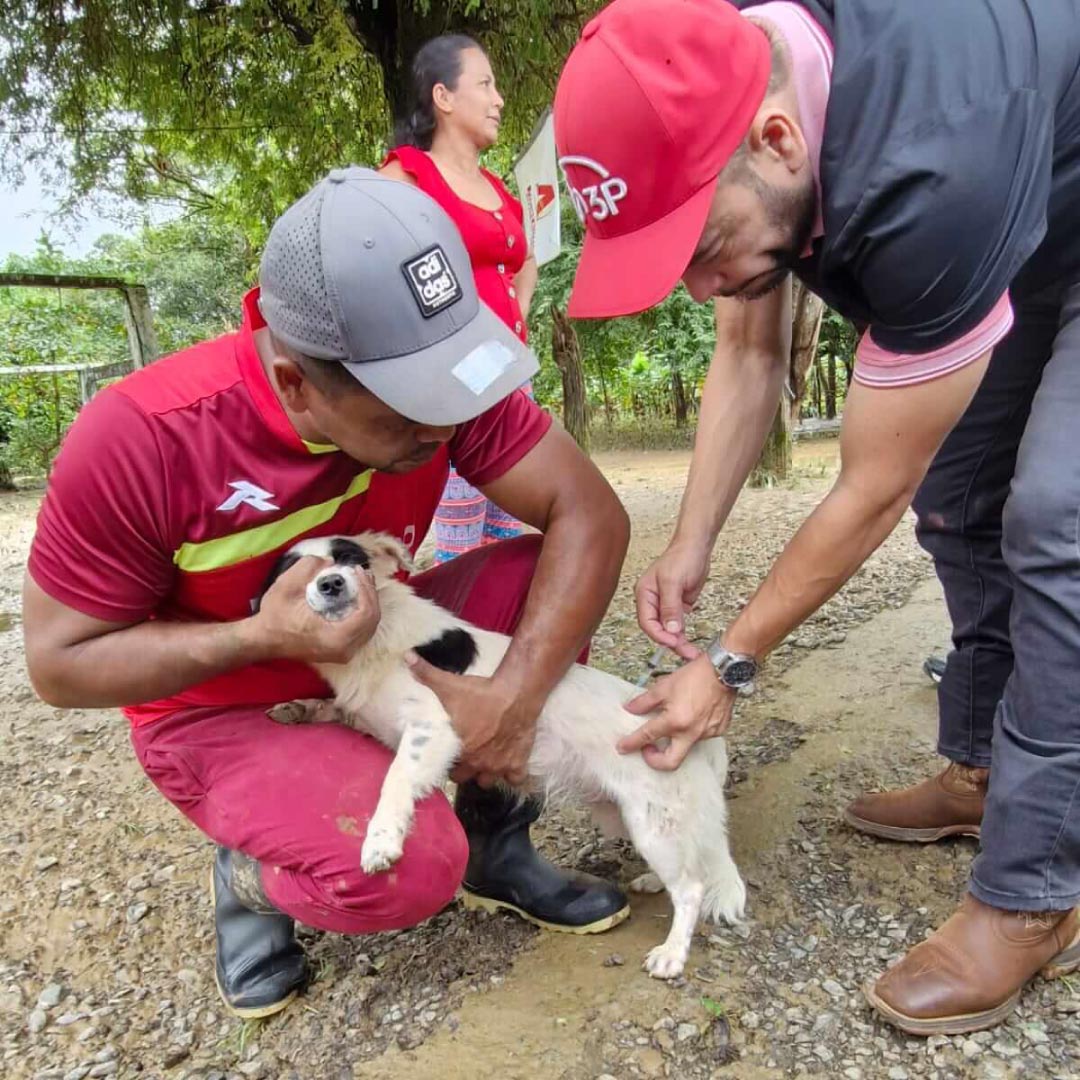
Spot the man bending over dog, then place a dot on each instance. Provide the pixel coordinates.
(364, 367)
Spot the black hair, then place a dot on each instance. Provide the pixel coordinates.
(737, 169)
(330, 377)
(438, 61)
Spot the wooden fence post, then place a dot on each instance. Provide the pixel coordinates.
(140, 325)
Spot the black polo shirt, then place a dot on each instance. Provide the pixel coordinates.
(950, 165)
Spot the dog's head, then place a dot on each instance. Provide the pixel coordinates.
(333, 591)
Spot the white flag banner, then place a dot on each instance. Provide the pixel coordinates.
(537, 175)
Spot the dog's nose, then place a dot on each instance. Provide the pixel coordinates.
(331, 585)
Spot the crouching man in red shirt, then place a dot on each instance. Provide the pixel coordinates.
(364, 367)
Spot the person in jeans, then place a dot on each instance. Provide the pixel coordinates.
(364, 365)
(918, 166)
(455, 115)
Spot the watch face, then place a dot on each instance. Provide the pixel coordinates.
(740, 672)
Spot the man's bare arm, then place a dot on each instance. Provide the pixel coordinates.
(742, 391)
(558, 490)
(888, 439)
(76, 660)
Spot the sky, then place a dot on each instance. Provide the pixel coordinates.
(25, 211)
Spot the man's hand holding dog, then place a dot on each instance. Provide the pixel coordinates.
(287, 628)
(687, 705)
(496, 729)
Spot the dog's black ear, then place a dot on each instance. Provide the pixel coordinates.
(284, 562)
(346, 552)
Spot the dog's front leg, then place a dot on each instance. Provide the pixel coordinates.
(306, 711)
(425, 755)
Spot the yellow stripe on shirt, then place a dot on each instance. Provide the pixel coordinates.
(229, 550)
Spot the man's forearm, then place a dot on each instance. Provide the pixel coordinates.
(144, 662)
(887, 442)
(741, 395)
(742, 391)
(576, 574)
(831, 545)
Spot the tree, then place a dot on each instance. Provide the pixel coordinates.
(234, 107)
(806, 312)
(567, 355)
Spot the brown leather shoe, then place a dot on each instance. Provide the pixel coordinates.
(970, 973)
(949, 804)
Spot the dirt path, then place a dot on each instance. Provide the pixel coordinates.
(103, 902)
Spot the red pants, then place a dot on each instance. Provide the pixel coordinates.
(298, 799)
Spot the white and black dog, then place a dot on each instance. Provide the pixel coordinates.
(676, 820)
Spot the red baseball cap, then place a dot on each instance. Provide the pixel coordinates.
(652, 102)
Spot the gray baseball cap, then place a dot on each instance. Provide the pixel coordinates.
(373, 273)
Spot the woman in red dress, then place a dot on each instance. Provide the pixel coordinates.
(455, 117)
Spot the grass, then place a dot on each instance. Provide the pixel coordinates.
(714, 1007)
(248, 1030)
(132, 828)
(648, 433)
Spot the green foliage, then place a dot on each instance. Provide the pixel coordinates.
(195, 274)
(231, 109)
(234, 107)
(833, 366)
(714, 1007)
(630, 363)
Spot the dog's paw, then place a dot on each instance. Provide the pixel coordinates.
(665, 961)
(382, 848)
(289, 712)
(647, 883)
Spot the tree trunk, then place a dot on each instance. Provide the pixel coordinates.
(806, 312)
(567, 355)
(609, 409)
(678, 397)
(849, 364)
(775, 461)
(830, 388)
(393, 31)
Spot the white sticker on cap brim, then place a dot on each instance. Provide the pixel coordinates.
(483, 366)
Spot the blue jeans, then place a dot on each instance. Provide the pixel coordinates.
(999, 512)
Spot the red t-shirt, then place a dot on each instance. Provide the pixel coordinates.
(178, 487)
(494, 239)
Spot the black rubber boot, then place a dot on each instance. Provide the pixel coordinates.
(505, 871)
(259, 967)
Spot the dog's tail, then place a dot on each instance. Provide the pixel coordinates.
(725, 893)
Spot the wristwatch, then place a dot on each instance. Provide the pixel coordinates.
(736, 670)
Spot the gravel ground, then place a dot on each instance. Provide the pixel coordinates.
(106, 954)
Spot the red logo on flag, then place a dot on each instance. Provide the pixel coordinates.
(545, 196)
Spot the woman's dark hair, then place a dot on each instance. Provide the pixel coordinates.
(438, 61)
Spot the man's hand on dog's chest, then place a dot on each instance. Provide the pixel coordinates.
(496, 730)
(287, 628)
